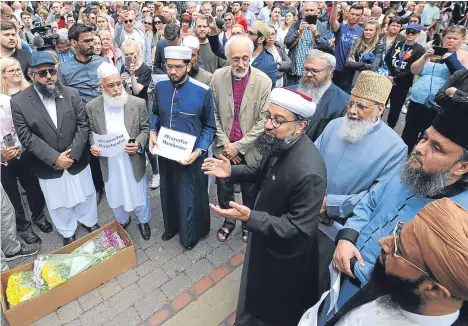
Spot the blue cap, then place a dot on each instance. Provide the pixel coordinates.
(415, 27)
(41, 58)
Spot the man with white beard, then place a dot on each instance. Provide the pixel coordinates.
(316, 82)
(116, 112)
(360, 151)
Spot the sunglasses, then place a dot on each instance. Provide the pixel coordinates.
(157, 22)
(411, 32)
(228, 20)
(128, 21)
(251, 33)
(43, 73)
(146, 23)
(144, 11)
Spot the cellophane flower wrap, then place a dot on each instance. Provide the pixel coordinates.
(21, 287)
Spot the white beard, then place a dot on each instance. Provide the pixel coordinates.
(354, 131)
(115, 101)
(314, 92)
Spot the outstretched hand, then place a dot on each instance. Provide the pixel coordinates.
(237, 211)
(218, 168)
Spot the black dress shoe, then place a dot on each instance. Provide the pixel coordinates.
(45, 227)
(126, 224)
(31, 238)
(168, 236)
(99, 193)
(144, 230)
(92, 228)
(68, 240)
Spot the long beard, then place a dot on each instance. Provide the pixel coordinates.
(49, 90)
(354, 131)
(314, 91)
(194, 71)
(397, 292)
(422, 183)
(116, 101)
(269, 145)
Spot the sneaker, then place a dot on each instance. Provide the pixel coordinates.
(404, 110)
(26, 250)
(155, 181)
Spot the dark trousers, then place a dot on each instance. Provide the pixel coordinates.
(225, 191)
(96, 173)
(20, 170)
(343, 79)
(397, 99)
(418, 119)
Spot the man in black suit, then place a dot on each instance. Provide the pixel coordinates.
(52, 125)
(421, 275)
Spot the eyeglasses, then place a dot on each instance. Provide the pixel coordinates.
(90, 40)
(143, 11)
(175, 67)
(360, 106)
(411, 32)
(275, 121)
(314, 72)
(245, 59)
(396, 232)
(228, 20)
(146, 23)
(112, 85)
(128, 21)
(13, 71)
(157, 22)
(43, 73)
(251, 33)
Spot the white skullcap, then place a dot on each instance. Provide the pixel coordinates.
(191, 42)
(106, 69)
(293, 101)
(178, 52)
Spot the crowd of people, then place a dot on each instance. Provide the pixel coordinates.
(287, 102)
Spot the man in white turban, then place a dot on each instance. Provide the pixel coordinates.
(197, 72)
(280, 275)
(117, 113)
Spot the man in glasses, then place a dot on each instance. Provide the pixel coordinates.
(280, 275)
(421, 274)
(52, 126)
(351, 173)
(437, 167)
(184, 105)
(125, 28)
(117, 112)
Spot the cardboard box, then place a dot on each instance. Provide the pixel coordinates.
(33, 309)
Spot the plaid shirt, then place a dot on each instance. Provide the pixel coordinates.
(304, 45)
(65, 56)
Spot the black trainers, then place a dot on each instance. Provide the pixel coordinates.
(26, 250)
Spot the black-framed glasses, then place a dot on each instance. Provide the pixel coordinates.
(146, 23)
(128, 21)
(43, 73)
(157, 22)
(252, 33)
(177, 68)
(358, 105)
(112, 85)
(396, 232)
(314, 72)
(275, 121)
(87, 41)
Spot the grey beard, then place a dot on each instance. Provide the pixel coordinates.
(117, 101)
(313, 91)
(49, 91)
(354, 131)
(422, 183)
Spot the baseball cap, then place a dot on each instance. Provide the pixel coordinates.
(41, 58)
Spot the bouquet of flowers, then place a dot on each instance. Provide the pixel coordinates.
(103, 246)
(21, 287)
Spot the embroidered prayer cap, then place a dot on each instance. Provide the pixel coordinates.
(441, 232)
(106, 69)
(293, 101)
(178, 52)
(372, 86)
(191, 42)
(451, 121)
(262, 28)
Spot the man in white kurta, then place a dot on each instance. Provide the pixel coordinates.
(117, 113)
(51, 123)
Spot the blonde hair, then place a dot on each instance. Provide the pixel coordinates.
(133, 43)
(4, 64)
(375, 39)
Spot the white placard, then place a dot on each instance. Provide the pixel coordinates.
(174, 145)
(111, 145)
(159, 77)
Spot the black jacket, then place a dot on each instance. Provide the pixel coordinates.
(459, 80)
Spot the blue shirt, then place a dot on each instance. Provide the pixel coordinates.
(344, 40)
(83, 76)
(188, 108)
(432, 78)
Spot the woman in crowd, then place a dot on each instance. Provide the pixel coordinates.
(102, 23)
(225, 36)
(366, 52)
(289, 20)
(194, 18)
(97, 45)
(433, 74)
(185, 23)
(159, 22)
(13, 80)
(422, 38)
(109, 51)
(278, 51)
(386, 20)
(275, 17)
(237, 29)
(388, 39)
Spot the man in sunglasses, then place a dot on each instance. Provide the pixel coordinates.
(421, 274)
(125, 28)
(52, 126)
(437, 167)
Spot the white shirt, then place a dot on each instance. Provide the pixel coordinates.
(50, 106)
(264, 15)
(373, 313)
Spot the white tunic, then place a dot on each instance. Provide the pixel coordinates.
(68, 190)
(121, 188)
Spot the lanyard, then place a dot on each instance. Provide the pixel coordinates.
(402, 54)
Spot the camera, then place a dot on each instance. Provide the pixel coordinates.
(42, 40)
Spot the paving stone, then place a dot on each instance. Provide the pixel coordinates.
(140, 257)
(153, 280)
(145, 268)
(198, 270)
(176, 265)
(215, 224)
(220, 255)
(49, 320)
(75, 322)
(127, 278)
(176, 286)
(109, 289)
(69, 312)
(236, 243)
(201, 250)
(98, 315)
(126, 298)
(90, 300)
(150, 303)
(161, 254)
(141, 243)
(129, 317)
(213, 241)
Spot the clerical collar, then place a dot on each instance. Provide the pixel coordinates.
(445, 320)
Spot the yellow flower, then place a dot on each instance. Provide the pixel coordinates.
(13, 289)
(51, 276)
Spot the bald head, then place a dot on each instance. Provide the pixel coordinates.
(376, 12)
(239, 43)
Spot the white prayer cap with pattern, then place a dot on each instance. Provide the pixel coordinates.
(191, 42)
(178, 52)
(293, 101)
(106, 69)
